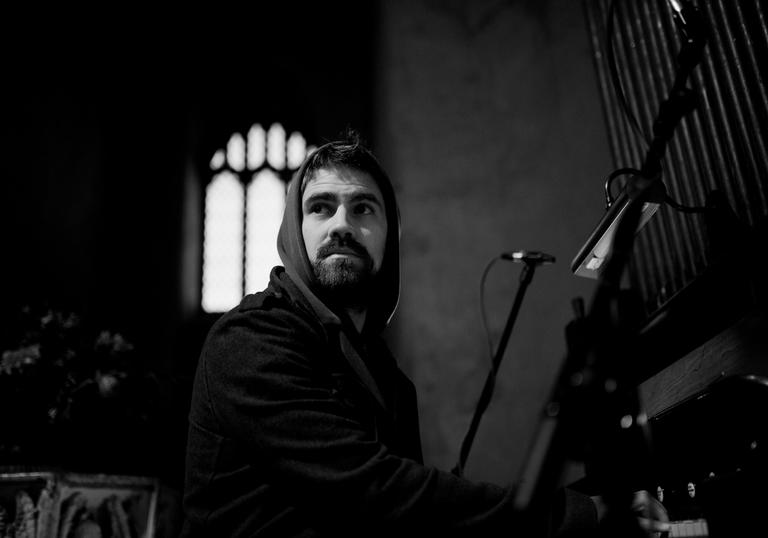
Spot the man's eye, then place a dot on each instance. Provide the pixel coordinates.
(363, 209)
(318, 208)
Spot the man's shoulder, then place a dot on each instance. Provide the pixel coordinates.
(265, 327)
(279, 303)
(267, 300)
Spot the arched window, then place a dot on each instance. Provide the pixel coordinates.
(244, 204)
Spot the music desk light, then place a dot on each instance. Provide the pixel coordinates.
(595, 251)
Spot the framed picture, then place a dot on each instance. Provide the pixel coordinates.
(65, 505)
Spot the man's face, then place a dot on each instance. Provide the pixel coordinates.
(344, 227)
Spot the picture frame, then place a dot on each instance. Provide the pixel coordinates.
(51, 504)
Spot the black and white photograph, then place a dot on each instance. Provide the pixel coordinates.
(385, 268)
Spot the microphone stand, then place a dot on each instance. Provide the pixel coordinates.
(526, 276)
(594, 414)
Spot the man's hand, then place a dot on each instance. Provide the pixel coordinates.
(651, 515)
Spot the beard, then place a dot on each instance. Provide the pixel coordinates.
(347, 282)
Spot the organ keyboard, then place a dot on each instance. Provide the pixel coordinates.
(693, 528)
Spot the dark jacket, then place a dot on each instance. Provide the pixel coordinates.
(301, 426)
(286, 440)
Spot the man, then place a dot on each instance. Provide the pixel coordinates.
(301, 422)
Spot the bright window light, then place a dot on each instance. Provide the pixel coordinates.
(296, 151)
(276, 146)
(236, 152)
(223, 243)
(218, 160)
(266, 199)
(243, 211)
(257, 140)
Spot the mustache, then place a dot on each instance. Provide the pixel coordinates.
(345, 245)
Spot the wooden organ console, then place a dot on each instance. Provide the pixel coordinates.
(702, 277)
(709, 424)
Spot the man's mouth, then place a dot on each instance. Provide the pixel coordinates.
(343, 252)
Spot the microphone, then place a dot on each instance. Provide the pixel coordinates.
(678, 11)
(682, 13)
(528, 256)
(690, 24)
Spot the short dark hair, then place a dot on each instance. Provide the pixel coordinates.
(349, 151)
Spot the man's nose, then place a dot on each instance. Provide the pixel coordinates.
(340, 224)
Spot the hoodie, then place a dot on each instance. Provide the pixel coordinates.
(290, 246)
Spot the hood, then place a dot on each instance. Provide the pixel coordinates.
(290, 246)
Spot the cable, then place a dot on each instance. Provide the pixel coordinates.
(613, 175)
(482, 305)
(617, 86)
(671, 202)
(683, 208)
(458, 469)
(485, 396)
(621, 96)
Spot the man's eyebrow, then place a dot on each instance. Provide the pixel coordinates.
(366, 197)
(331, 197)
(320, 197)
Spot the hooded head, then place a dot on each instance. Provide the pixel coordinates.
(338, 160)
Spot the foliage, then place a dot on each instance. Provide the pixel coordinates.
(64, 384)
